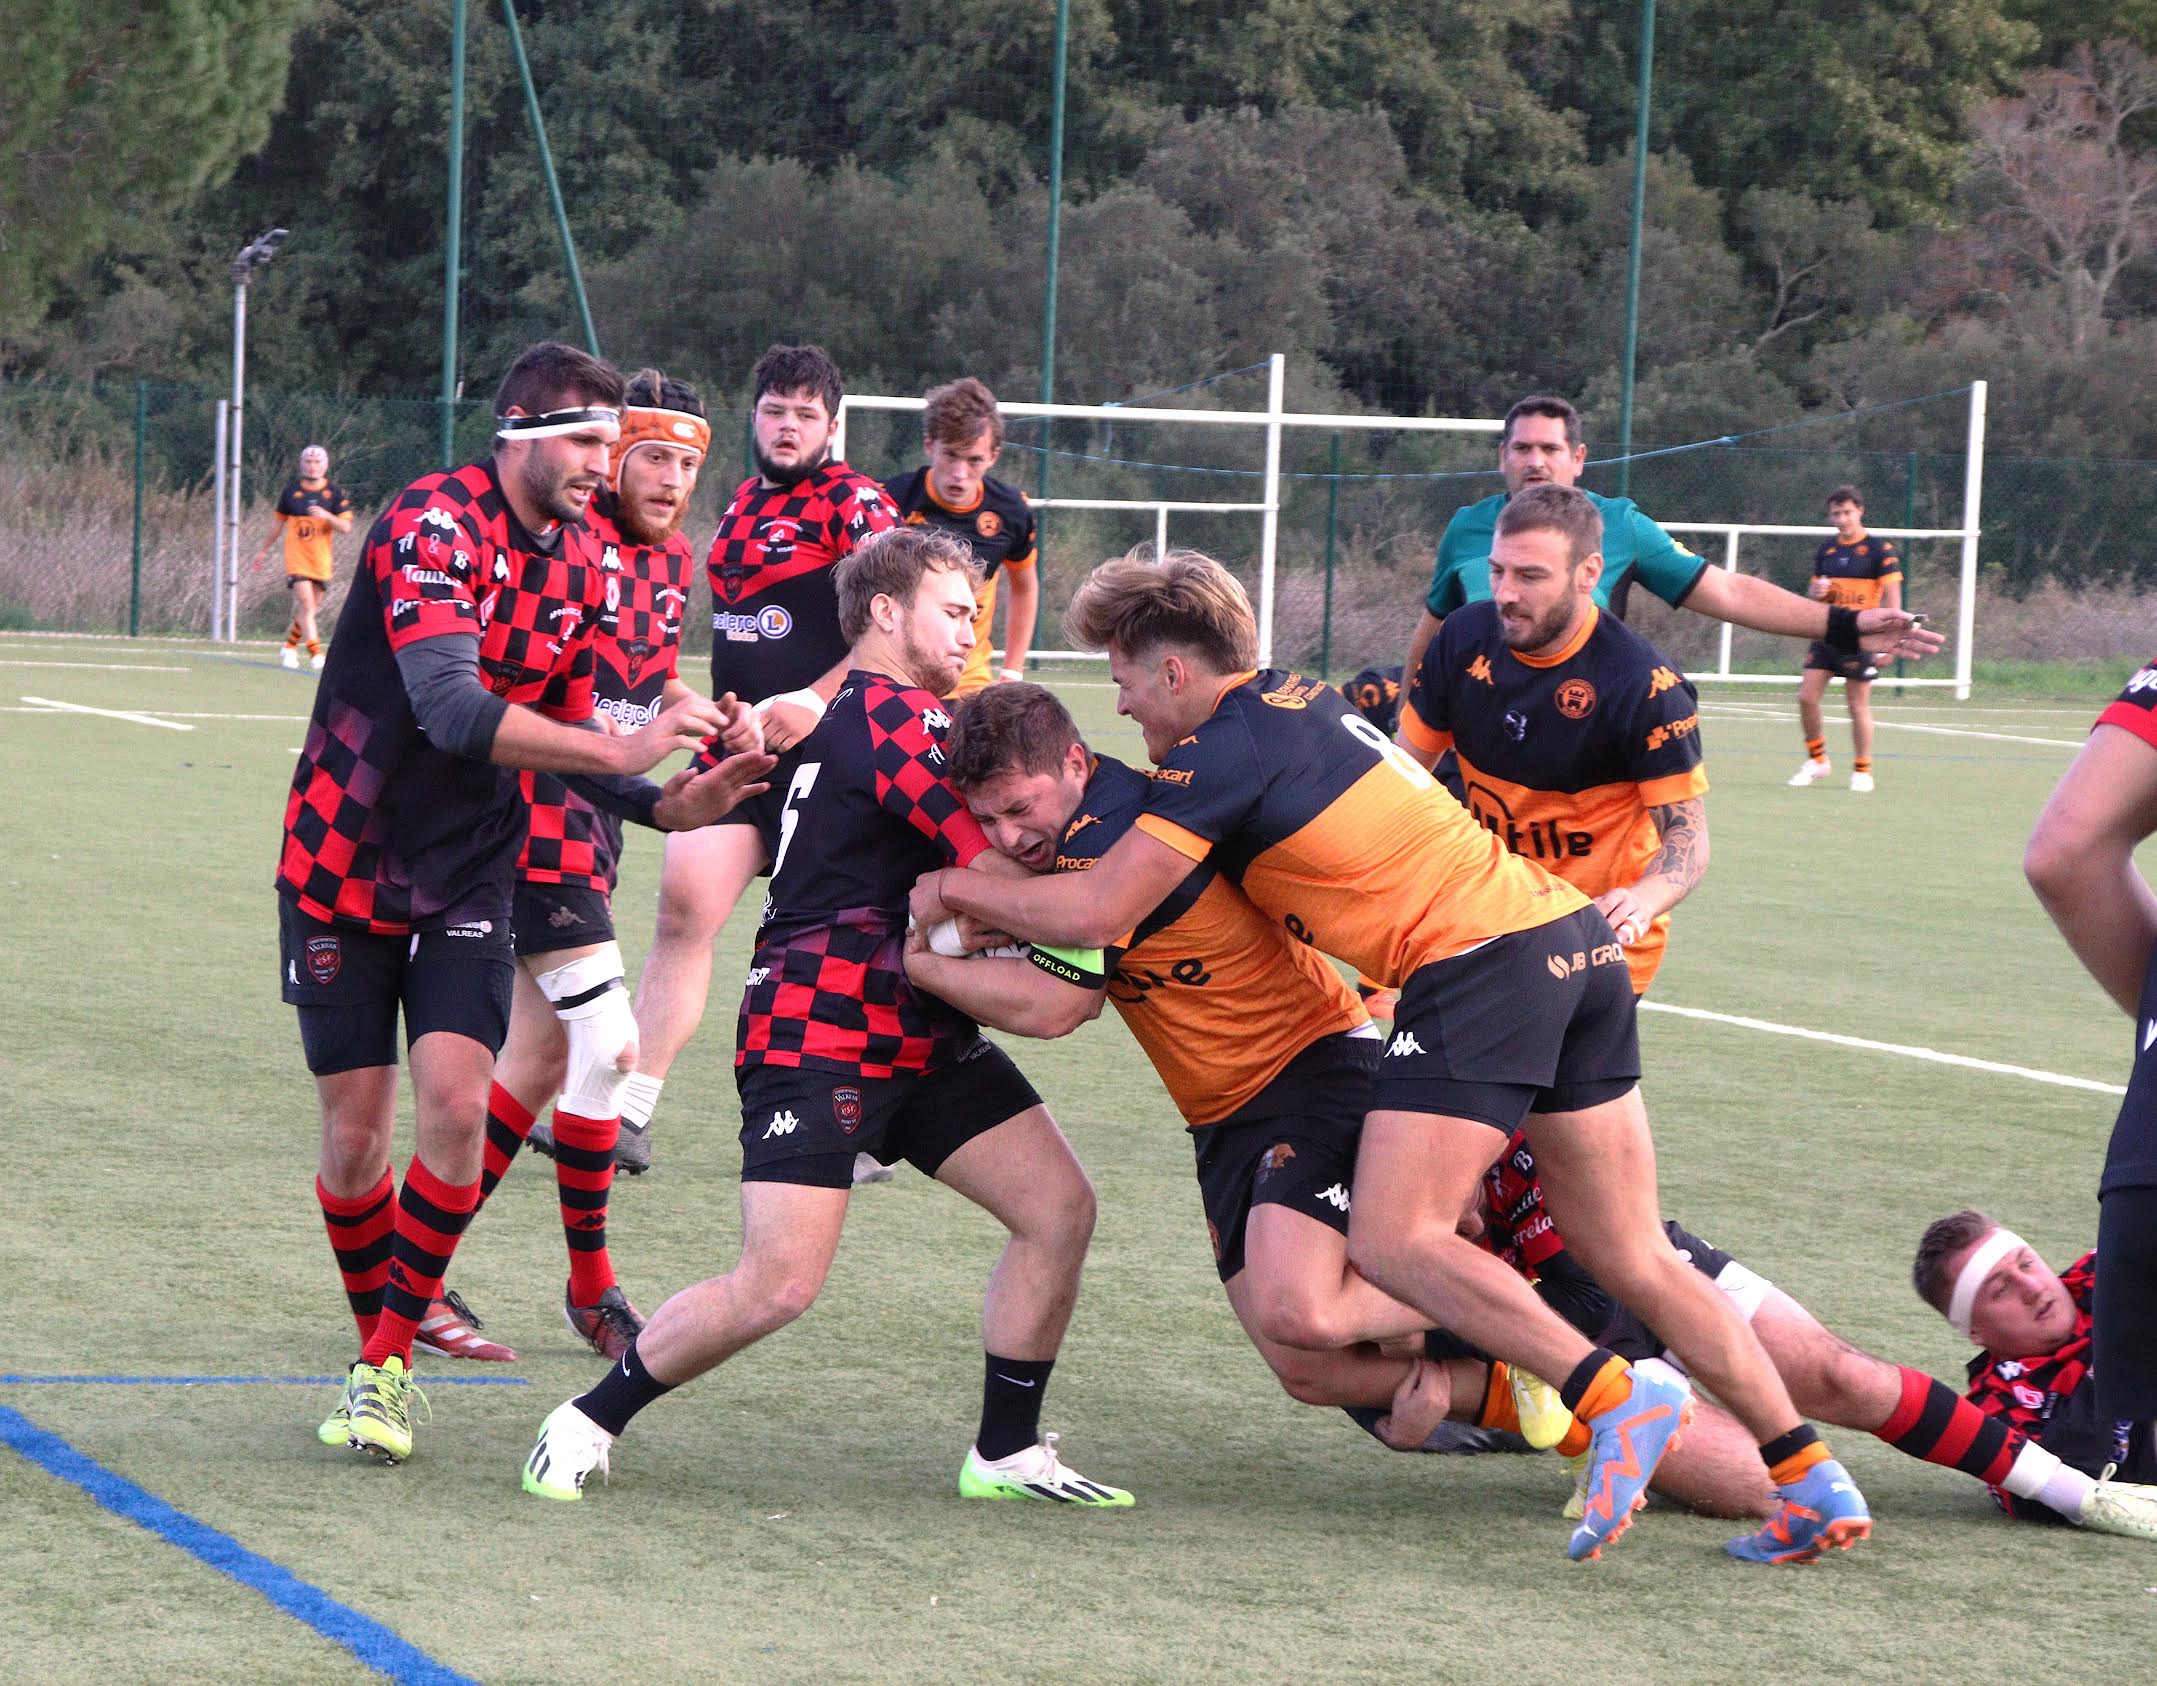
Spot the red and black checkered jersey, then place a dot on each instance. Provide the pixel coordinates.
(2042, 1395)
(775, 621)
(1515, 1224)
(644, 592)
(382, 829)
(2135, 708)
(868, 811)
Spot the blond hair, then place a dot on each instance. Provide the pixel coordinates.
(1137, 604)
(891, 565)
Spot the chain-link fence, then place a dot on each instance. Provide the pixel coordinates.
(107, 524)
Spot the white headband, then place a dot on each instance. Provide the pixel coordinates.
(1971, 1278)
(557, 422)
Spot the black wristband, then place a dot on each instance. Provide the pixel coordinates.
(1842, 631)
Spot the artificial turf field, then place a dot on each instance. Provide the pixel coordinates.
(793, 1516)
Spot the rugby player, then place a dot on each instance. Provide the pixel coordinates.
(1717, 1470)
(2034, 1372)
(1578, 742)
(962, 434)
(1541, 444)
(1852, 570)
(466, 651)
(310, 509)
(776, 641)
(1264, 1051)
(2081, 863)
(1515, 1001)
(569, 970)
(838, 1054)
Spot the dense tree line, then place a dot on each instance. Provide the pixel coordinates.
(1424, 202)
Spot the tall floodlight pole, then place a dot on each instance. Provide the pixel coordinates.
(1632, 256)
(252, 256)
(450, 245)
(1056, 213)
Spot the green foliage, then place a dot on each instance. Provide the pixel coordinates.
(115, 114)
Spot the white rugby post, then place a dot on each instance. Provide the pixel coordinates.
(1973, 492)
(217, 527)
(1269, 532)
(251, 257)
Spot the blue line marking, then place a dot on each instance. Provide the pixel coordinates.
(367, 1639)
(247, 1381)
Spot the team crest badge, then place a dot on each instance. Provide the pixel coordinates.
(325, 958)
(1576, 699)
(1276, 1157)
(988, 523)
(846, 1108)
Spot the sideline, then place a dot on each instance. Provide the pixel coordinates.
(367, 1639)
(48, 706)
(1998, 1069)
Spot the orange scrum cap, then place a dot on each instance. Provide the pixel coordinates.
(642, 426)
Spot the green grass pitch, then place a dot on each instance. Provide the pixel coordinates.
(793, 1517)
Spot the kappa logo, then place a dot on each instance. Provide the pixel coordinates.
(1661, 680)
(1480, 669)
(1084, 820)
(782, 1123)
(562, 918)
(611, 560)
(1403, 1044)
(936, 720)
(1275, 1158)
(1336, 1197)
(757, 975)
(2010, 1369)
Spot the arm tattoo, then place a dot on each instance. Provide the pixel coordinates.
(1683, 828)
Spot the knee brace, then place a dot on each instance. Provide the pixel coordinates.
(593, 1005)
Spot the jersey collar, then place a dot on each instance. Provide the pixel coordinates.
(928, 490)
(1572, 646)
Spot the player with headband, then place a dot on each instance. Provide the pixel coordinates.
(2033, 1370)
(572, 1035)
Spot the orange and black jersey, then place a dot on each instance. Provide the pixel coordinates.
(636, 649)
(1562, 756)
(383, 830)
(1859, 574)
(1220, 997)
(868, 811)
(775, 619)
(999, 524)
(1337, 833)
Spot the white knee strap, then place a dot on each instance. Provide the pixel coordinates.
(590, 1000)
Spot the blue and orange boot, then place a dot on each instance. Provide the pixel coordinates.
(1821, 1509)
(1627, 1441)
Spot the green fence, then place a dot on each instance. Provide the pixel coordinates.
(106, 518)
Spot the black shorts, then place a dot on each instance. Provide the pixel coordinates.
(1292, 1144)
(1541, 1020)
(804, 1126)
(1633, 1340)
(349, 984)
(2131, 1154)
(549, 917)
(1825, 658)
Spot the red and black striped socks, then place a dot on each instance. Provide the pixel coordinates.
(431, 1216)
(583, 1178)
(360, 1238)
(1937, 1424)
(508, 1124)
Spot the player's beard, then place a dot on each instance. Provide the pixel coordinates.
(550, 491)
(636, 531)
(1534, 635)
(934, 674)
(788, 474)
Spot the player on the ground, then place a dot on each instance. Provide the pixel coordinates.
(569, 965)
(1515, 1002)
(311, 510)
(2081, 862)
(1541, 445)
(776, 642)
(1853, 570)
(2034, 1371)
(1717, 1470)
(838, 1054)
(1578, 741)
(962, 434)
(1262, 1048)
(465, 652)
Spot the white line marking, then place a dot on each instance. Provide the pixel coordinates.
(100, 667)
(1736, 716)
(1903, 1048)
(48, 704)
